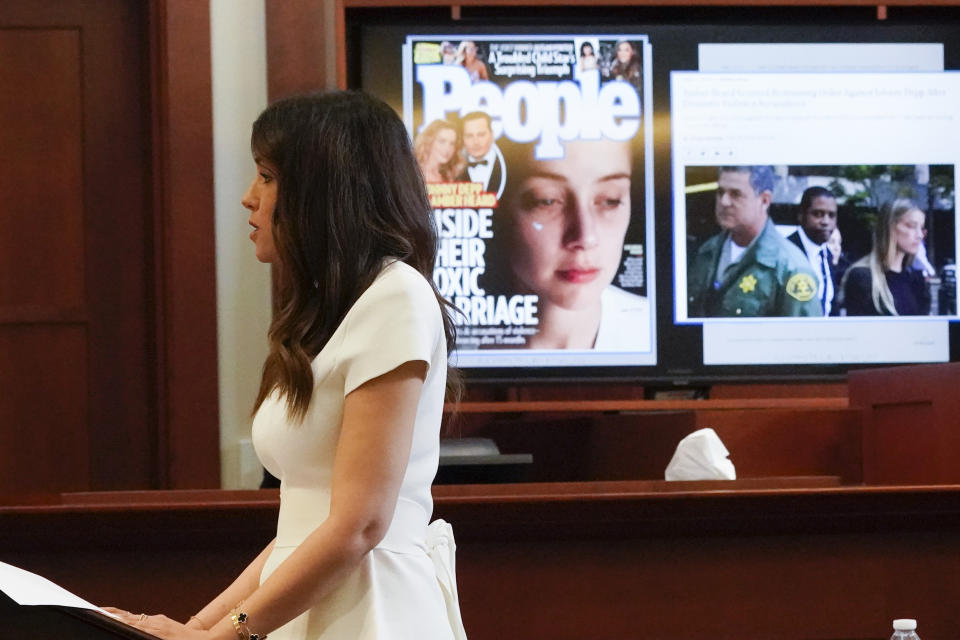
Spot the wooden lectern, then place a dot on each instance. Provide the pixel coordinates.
(25, 621)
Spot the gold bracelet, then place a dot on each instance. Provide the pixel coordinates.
(236, 625)
(239, 620)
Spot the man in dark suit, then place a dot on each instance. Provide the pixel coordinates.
(484, 159)
(818, 221)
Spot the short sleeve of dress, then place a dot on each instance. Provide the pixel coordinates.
(396, 320)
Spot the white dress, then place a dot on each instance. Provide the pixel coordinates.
(395, 592)
(624, 321)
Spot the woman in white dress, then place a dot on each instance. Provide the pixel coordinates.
(348, 414)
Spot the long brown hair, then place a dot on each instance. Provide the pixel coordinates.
(423, 145)
(877, 260)
(350, 195)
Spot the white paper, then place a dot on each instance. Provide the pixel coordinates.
(27, 588)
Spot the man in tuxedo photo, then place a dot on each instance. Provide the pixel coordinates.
(484, 159)
(818, 220)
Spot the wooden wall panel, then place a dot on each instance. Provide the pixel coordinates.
(904, 442)
(188, 437)
(107, 193)
(582, 448)
(709, 587)
(43, 164)
(789, 442)
(117, 214)
(43, 408)
(613, 561)
(296, 60)
(909, 423)
(761, 442)
(782, 390)
(74, 130)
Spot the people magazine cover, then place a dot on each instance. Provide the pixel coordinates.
(537, 156)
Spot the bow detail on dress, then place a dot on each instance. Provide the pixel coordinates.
(442, 550)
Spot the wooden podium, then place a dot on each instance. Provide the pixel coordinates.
(26, 621)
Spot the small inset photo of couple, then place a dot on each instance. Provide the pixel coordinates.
(462, 151)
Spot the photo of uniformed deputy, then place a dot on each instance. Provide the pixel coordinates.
(749, 269)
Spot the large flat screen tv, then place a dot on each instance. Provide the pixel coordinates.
(683, 201)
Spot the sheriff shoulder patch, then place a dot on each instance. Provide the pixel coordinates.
(802, 287)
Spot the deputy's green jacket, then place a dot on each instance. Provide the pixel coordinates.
(772, 278)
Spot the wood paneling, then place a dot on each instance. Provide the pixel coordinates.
(188, 438)
(788, 390)
(909, 423)
(573, 392)
(117, 213)
(763, 442)
(604, 561)
(43, 408)
(169, 552)
(295, 47)
(41, 249)
(108, 251)
(708, 588)
(74, 131)
(789, 442)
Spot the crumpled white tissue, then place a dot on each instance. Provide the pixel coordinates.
(701, 456)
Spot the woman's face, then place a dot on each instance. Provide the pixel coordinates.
(469, 51)
(624, 52)
(568, 218)
(587, 50)
(443, 147)
(908, 231)
(261, 200)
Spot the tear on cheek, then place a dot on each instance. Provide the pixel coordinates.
(536, 226)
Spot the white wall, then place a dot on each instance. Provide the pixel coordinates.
(238, 43)
(239, 68)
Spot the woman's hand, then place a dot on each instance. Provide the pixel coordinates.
(160, 626)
